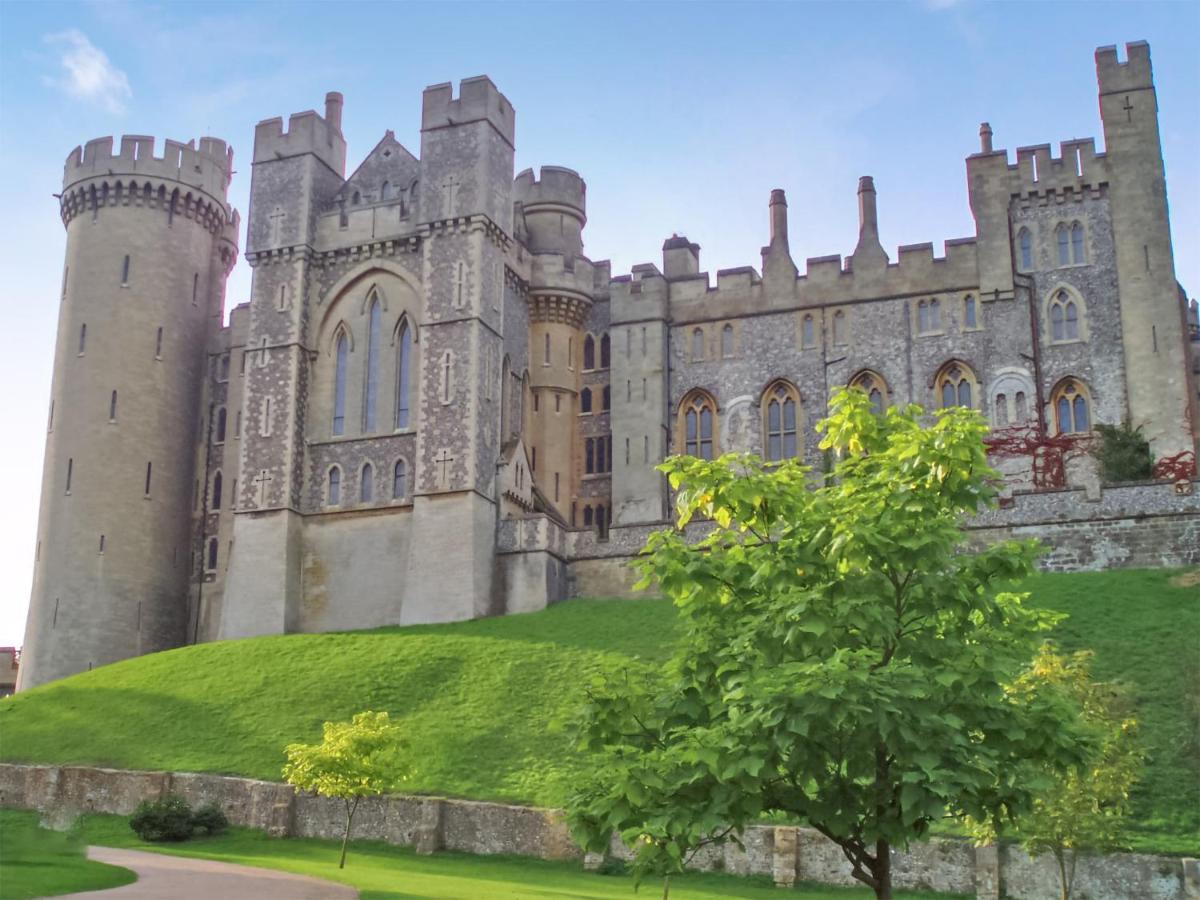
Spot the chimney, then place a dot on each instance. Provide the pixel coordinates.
(333, 110)
(869, 251)
(778, 210)
(985, 137)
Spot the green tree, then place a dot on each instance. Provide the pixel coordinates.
(1123, 452)
(356, 759)
(1083, 809)
(845, 660)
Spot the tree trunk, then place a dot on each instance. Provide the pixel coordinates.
(883, 870)
(350, 808)
(666, 887)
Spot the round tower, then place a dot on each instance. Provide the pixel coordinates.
(560, 298)
(150, 242)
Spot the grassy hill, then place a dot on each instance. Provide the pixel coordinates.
(485, 702)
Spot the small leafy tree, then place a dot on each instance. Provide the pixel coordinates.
(1083, 809)
(356, 759)
(1123, 453)
(844, 661)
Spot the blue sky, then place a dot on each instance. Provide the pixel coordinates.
(681, 117)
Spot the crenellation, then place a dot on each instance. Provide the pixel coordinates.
(432, 385)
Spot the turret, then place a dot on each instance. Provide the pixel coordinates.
(555, 206)
(150, 241)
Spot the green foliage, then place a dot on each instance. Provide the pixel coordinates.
(844, 661)
(38, 862)
(167, 819)
(1083, 809)
(1123, 453)
(360, 758)
(209, 820)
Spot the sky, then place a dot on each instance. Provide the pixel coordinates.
(680, 116)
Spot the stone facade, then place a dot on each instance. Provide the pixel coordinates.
(785, 853)
(435, 406)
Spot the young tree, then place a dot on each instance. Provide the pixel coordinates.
(845, 660)
(1082, 811)
(356, 759)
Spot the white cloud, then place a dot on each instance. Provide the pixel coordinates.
(88, 74)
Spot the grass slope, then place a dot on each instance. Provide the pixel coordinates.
(383, 872)
(35, 862)
(484, 702)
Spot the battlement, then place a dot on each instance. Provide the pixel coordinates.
(307, 132)
(478, 100)
(208, 167)
(1134, 74)
(557, 189)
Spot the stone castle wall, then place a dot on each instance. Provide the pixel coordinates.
(785, 853)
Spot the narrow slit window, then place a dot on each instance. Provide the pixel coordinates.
(1025, 241)
(125, 271)
(216, 491)
(70, 473)
(605, 352)
(213, 549)
(222, 418)
(589, 353)
(334, 494)
(1077, 252)
(969, 315)
(403, 364)
(342, 355)
(149, 473)
(371, 388)
(399, 480)
(112, 407)
(158, 343)
(82, 339)
(195, 287)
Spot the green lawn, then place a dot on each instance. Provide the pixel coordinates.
(485, 702)
(35, 862)
(383, 872)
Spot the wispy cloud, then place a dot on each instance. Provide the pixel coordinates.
(87, 72)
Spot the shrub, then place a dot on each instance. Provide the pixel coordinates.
(1123, 453)
(209, 819)
(168, 819)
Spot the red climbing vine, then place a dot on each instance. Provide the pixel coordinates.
(1049, 454)
(1180, 467)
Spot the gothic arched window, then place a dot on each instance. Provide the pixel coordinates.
(698, 425)
(216, 490)
(366, 483)
(727, 342)
(589, 353)
(585, 400)
(1072, 414)
(697, 345)
(780, 404)
(839, 327)
(873, 385)
(403, 373)
(1025, 242)
(606, 399)
(222, 419)
(956, 386)
(333, 493)
(342, 359)
(808, 333)
(210, 563)
(1063, 238)
(1064, 317)
(399, 480)
(605, 351)
(970, 313)
(1078, 255)
(371, 381)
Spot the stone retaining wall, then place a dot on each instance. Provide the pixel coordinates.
(429, 824)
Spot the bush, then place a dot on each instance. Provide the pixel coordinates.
(1123, 453)
(168, 819)
(209, 819)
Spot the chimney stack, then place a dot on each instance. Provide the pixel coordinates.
(779, 222)
(869, 253)
(333, 110)
(985, 137)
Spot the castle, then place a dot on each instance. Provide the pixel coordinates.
(434, 399)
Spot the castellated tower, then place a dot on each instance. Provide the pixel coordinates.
(150, 242)
(560, 298)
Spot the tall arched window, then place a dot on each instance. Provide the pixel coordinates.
(366, 483)
(371, 381)
(606, 399)
(839, 327)
(1078, 255)
(342, 359)
(1070, 402)
(210, 563)
(112, 407)
(808, 333)
(1064, 317)
(585, 400)
(1063, 237)
(1000, 415)
(333, 494)
(727, 342)
(399, 480)
(873, 385)
(589, 353)
(587, 516)
(781, 401)
(605, 351)
(222, 418)
(1025, 242)
(698, 425)
(956, 385)
(697, 344)
(385, 191)
(970, 313)
(403, 374)
(216, 491)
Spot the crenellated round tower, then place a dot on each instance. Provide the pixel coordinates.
(560, 298)
(150, 242)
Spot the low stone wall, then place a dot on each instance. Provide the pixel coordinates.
(429, 824)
